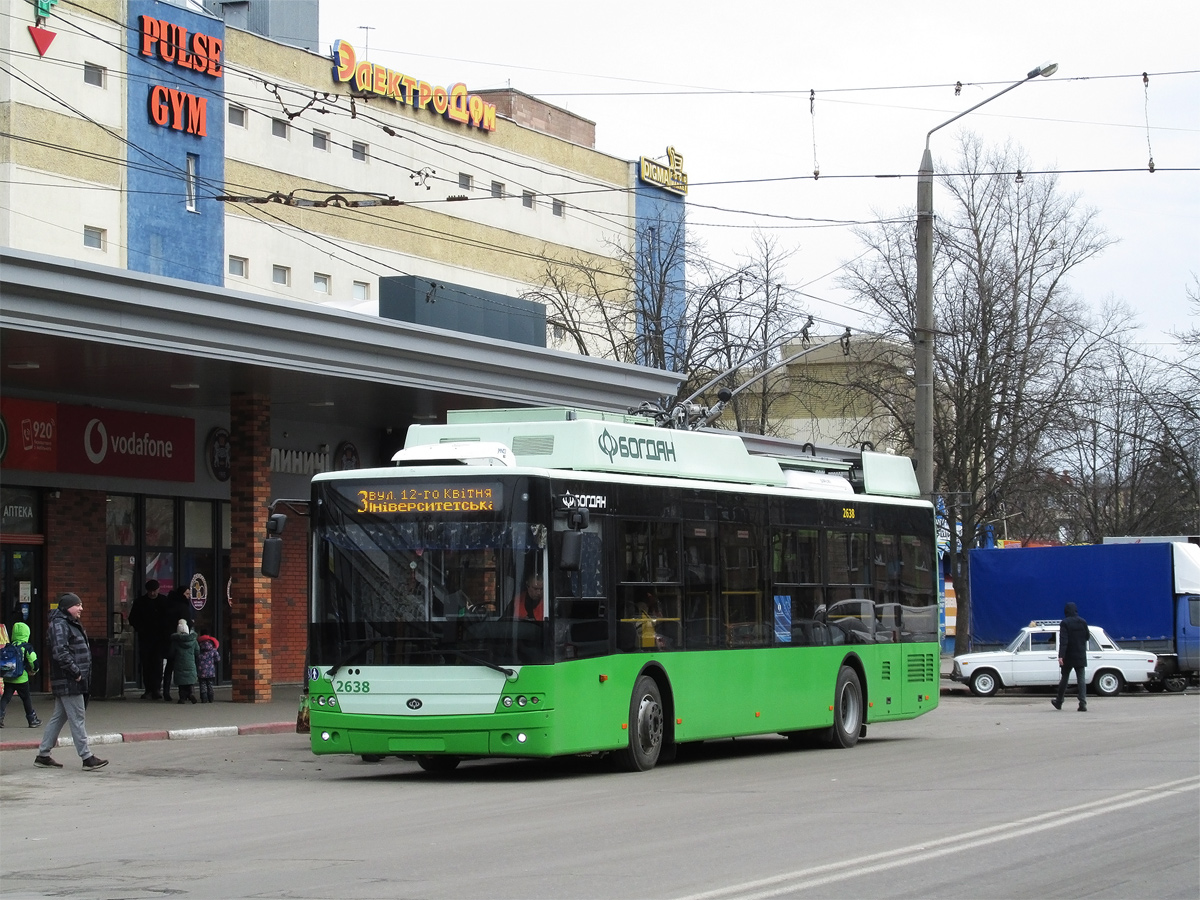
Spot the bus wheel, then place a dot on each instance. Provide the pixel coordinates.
(645, 727)
(372, 757)
(439, 765)
(847, 709)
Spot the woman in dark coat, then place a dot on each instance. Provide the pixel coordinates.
(185, 653)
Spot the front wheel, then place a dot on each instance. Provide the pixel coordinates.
(847, 709)
(645, 727)
(1108, 683)
(984, 683)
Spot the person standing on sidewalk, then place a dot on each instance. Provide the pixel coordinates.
(20, 683)
(177, 607)
(146, 619)
(70, 677)
(1073, 637)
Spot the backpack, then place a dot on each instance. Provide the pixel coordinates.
(12, 661)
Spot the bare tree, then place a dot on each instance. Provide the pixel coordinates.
(1012, 344)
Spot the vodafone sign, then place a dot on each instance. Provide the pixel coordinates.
(113, 442)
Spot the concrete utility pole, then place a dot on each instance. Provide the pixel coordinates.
(923, 333)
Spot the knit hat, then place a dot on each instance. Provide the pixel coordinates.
(67, 600)
(182, 627)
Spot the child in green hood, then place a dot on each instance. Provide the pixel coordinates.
(20, 684)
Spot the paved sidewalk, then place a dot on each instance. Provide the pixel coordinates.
(131, 719)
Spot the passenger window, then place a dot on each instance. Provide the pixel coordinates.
(1024, 646)
(1044, 641)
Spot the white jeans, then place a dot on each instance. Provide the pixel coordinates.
(68, 710)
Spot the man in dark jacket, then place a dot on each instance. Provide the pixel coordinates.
(146, 617)
(70, 675)
(1072, 655)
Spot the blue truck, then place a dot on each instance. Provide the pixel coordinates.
(1146, 596)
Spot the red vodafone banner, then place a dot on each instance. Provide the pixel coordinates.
(94, 441)
(28, 435)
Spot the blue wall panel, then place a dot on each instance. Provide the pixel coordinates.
(164, 237)
(662, 225)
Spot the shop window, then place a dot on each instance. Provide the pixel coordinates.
(94, 75)
(96, 238)
(237, 116)
(359, 151)
(239, 267)
(279, 128)
(281, 275)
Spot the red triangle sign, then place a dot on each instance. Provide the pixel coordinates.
(42, 38)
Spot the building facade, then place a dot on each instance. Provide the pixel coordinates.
(198, 225)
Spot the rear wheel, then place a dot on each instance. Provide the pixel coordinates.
(439, 765)
(984, 683)
(1174, 683)
(847, 709)
(645, 727)
(1108, 683)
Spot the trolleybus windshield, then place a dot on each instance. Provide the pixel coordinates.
(428, 572)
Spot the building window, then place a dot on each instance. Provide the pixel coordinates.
(361, 291)
(279, 128)
(558, 208)
(94, 74)
(193, 164)
(465, 181)
(359, 150)
(239, 266)
(498, 190)
(237, 116)
(281, 275)
(320, 283)
(96, 238)
(527, 199)
(321, 140)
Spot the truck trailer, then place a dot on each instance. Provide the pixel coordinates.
(1145, 596)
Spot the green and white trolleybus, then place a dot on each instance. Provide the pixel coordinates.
(542, 582)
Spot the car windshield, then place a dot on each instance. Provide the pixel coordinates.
(426, 581)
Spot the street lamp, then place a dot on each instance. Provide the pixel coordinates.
(923, 332)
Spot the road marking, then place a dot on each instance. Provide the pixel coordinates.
(818, 876)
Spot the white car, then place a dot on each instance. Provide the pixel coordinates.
(1031, 660)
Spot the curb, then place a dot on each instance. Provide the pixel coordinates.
(173, 734)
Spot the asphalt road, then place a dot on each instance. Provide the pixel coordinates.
(996, 798)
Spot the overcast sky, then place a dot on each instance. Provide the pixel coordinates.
(883, 73)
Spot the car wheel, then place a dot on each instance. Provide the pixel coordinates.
(984, 683)
(1108, 683)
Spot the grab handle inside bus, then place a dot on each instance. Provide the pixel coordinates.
(272, 555)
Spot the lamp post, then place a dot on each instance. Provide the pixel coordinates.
(924, 331)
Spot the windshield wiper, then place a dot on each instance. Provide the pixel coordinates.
(507, 673)
(367, 642)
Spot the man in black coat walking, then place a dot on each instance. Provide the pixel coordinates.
(1072, 655)
(70, 674)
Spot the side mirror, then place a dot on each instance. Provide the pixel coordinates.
(571, 552)
(272, 555)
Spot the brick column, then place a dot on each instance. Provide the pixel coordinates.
(250, 492)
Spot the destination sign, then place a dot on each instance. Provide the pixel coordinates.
(428, 497)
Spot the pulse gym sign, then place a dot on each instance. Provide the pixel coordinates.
(169, 107)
